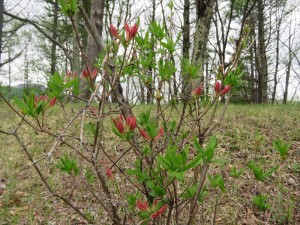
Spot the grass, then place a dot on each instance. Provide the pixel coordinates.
(246, 134)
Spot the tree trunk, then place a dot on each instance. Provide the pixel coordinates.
(203, 23)
(186, 45)
(54, 36)
(262, 57)
(151, 83)
(92, 51)
(1, 25)
(288, 70)
(75, 62)
(276, 63)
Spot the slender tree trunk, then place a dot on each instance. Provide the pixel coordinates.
(151, 84)
(262, 62)
(253, 59)
(92, 51)
(288, 69)
(75, 63)
(203, 24)
(186, 45)
(9, 75)
(1, 25)
(54, 36)
(142, 91)
(276, 63)
(26, 74)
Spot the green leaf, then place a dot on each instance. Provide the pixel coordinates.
(144, 118)
(261, 202)
(90, 128)
(258, 171)
(189, 70)
(234, 172)
(281, 147)
(157, 30)
(90, 176)
(156, 189)
(164, 162)
(21, 105)
(56, 86)
(178, 174)
(68, 165)
(131, 199)
(195, 162)
(217, 181)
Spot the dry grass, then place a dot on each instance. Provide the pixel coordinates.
(247, 133)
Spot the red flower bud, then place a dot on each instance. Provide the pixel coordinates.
(226, 89)
(130, 31)
(94, 74)
(85, 73)
(197, 91)
(71, 74)
(52, 102)
(114, 31)
(145, 135)
(120, 126)
(159, 212)
(36, 100)
(160, 133)
(43, 98)
(218, 87)
(131, 122)
(109, 173)
(162, 209)
(123, 125)
(143, 206)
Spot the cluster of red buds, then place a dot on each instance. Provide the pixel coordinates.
(197, 91)
(71, 75)
(86, 73)
(145, 135)
(131, 31)
(219, 90)
(143, 206)
(45, 101)
(125, 126)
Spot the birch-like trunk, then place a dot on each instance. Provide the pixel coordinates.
(205, 10)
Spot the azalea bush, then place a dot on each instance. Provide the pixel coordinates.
(160, 172)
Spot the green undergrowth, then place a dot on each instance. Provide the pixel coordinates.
(245, 135)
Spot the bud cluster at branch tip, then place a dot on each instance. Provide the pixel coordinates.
(86, 73)
(130, 32)
(197, 91)
(45, 100)
(143, 206)
(145, 135)
(124, 126)
(219, 90)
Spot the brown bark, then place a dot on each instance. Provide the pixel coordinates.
(186, 45)
(262, 56)
(93, 49)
